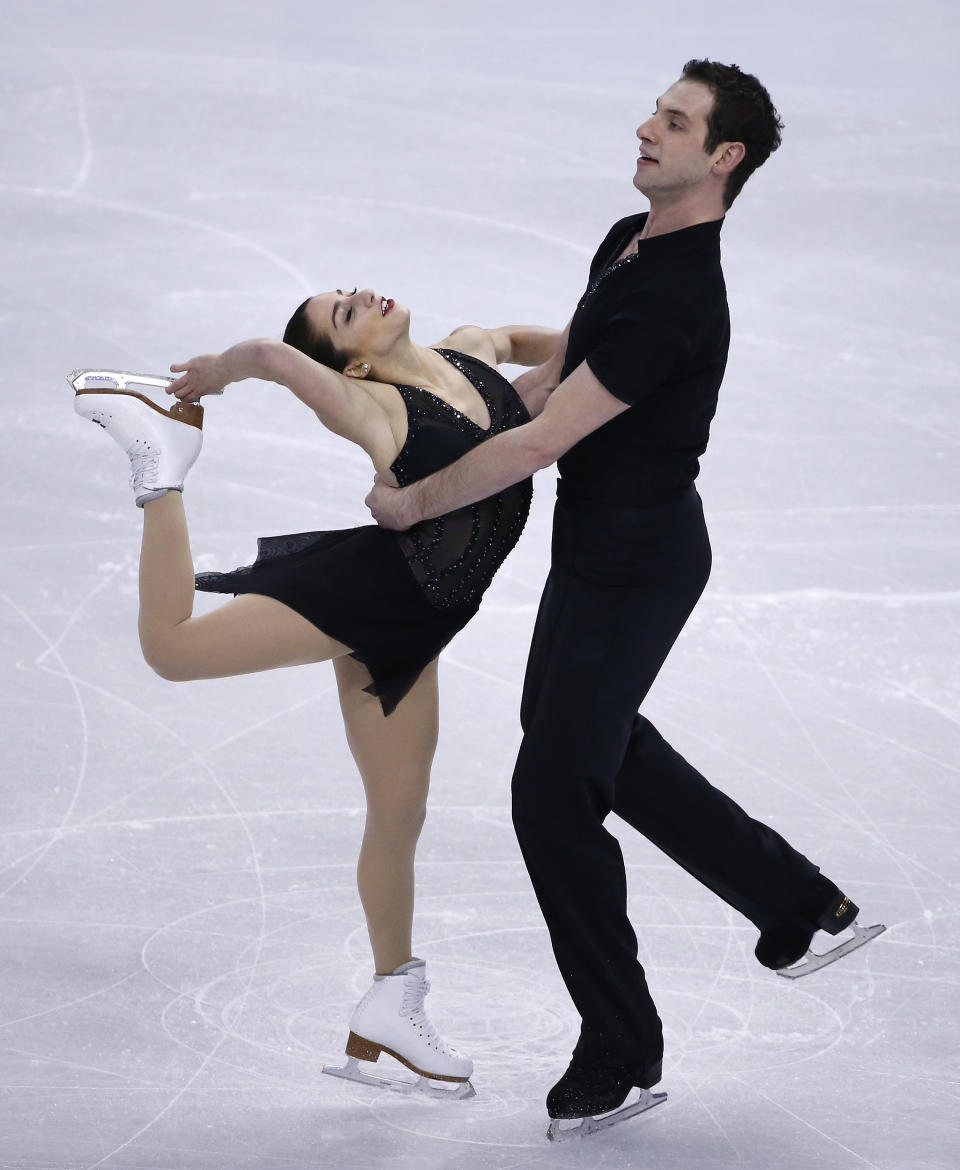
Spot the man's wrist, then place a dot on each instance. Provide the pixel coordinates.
(413, 505)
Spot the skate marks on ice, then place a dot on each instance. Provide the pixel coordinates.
(513, 1046)
(282, 1003)
(809, 1076)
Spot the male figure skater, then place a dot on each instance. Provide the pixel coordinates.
(629, 396)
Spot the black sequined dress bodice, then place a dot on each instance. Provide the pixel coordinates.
(397, 598)
(455, 556)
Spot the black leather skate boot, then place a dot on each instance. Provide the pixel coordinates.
(827, 909)
(587, 1090)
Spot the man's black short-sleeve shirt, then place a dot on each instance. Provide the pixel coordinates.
(654, 329)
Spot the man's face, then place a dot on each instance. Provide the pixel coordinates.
(672, 159)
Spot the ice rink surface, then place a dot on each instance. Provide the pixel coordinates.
(181, 937)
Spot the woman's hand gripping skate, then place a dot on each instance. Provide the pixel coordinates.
(201, 376)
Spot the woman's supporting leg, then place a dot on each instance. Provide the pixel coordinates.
(248, 634)
(252, 633)
(394, 754)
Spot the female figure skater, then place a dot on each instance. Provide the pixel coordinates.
(381, 605)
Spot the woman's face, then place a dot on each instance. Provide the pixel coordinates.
(360, 323)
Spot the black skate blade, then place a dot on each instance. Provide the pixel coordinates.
(813, 962)
(351, 1071)
(557, 1132)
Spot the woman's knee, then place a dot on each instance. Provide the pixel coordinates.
(396, 823)
(165, 659)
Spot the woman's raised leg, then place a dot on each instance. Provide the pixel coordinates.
(248, 634)
(394, 754)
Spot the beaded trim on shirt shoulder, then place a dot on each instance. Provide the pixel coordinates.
(598, 280)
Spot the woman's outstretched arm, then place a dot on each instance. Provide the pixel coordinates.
(526, 345)
(547, 354)
(342, 404)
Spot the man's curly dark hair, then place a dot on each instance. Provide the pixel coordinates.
(742, 112)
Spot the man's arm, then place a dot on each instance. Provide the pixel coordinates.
(579, 405)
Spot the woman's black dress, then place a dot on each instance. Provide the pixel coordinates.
(397, 598)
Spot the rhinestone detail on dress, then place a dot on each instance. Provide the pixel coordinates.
(454, 556)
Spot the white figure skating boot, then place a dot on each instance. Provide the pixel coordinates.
(161, 444)
(391, 1018)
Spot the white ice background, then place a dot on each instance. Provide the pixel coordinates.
(181, 936)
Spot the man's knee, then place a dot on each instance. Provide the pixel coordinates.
(527, 815)
(551, 805)
(531, 798)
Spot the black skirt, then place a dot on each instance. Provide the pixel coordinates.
(355, 585)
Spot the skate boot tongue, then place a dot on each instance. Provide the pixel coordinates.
(144, 468)
(411, 965)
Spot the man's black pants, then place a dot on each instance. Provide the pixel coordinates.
(622, 585)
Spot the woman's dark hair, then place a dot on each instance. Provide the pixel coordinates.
(742, 112)
(317, 345)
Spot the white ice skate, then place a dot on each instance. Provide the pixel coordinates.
(584, 1126)
(161, 443)
(391, 1018)
(813, 961)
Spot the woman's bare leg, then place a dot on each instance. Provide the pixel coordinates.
(247, 634)
(394, 754)
(251, 633)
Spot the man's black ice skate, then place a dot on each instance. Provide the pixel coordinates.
(782, 948)
(595, 1095)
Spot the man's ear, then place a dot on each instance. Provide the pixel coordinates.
(729, 155)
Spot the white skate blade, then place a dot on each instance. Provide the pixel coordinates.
(118, 380)
(813, 962)
(589, 1125)
(115, 380)
(351, 1071)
